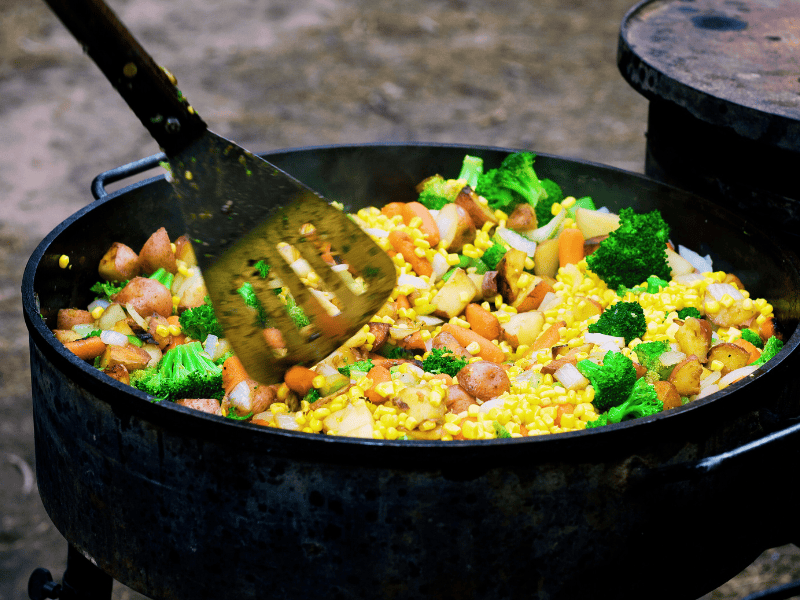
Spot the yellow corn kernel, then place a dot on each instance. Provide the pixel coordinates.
(473, 348)
(321, 413)
(452, 428)
(174, 329)
(283, 392)
(176, 300)
(716, 365)
(98, 312)
(427, 425)
(568, 201)
(63, 261)
(712, 307)
(162, 331)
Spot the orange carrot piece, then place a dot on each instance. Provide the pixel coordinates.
(482, 321)
(488, 351)
(751, 349)
(300, 379)
(87, 348)
(570, 247)
(428, 226)
(402, 302)
(563, 409)
(393, 209)
(413, 341)
(401, 242)
(549, 338)
(378, 375)
(274, 338)
(233, 373)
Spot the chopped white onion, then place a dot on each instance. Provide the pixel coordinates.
(718, 290)
(569, 376)
(84, 329)
(114, 338)
(736, 375)
(516, 241)
(398, 333)
(377, 232)
(301, 267)
(701, 263)
(439, 266)
(429, 320)
(99, 302)
(340, 268)
(287, 421)
(543, 233)
(210, 344)
(710, 379)
(707, 391)
(671, 357)
(602, 339)
(490, 404)
(689, 278)
(416, 282)
(240, 397)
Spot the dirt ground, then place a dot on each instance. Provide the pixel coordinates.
(286, 73)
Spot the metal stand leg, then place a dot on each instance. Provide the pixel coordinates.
(82, 581)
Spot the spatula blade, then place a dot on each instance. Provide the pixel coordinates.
(237, 208)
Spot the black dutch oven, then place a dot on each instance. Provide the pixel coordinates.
(180, 504)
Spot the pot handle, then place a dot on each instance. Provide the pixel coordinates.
(119, 173)
(762, 451)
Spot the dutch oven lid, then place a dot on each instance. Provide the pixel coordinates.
(729, 63)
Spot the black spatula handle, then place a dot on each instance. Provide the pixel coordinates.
(145, 86)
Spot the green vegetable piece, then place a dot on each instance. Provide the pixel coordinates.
(163, 276)
(751, 336)
(200, 321)
(471, 170)
(642, 402)
(501, 431)
(312, 396)
(442, 360)
(771, 348)
(493, 255)
(612, 381)
(585, 202)
(389, 351)
(186, 371)
(515, 181)
(649, 353)
(106, 289)
(361, 366)
(655, 284)
(544, 207)
(262, 267)
(634, 251)
(135, 341)
(689, 311)
(232, 415)
(623, 319)
(248, 294)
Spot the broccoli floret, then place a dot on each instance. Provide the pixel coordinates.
(312, 396)
(612, 381)
(200, 321)
(106, 289)
(513, 182)
(634, 251)
(436, 191)
(493, 255)
(186, 371)
(649, 354)
(248, 294)
(164, 277)
(689, 311)
(544, 206)
(642, 402)
(442, 360)
(299, 317)
(654, 284)
(471, 170)
(751, 336)
(623, 319)
(772, 346)
(389, 351)
(361, 366)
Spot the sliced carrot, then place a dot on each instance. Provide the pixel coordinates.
(274, 338)
(488, 351)
(233, 373)
(402, 302)
(482, 321)
(549, 338)
(570, 247)
(378, 375)
(300, 379)
(427, 226)
(751, 349)
(87, 348)
(767, 329)
(401, 242)
(393, 209)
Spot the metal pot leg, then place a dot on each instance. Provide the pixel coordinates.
(82, 581)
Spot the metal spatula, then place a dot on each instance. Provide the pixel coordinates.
(237, 209)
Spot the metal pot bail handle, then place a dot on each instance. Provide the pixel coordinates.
(123, 172)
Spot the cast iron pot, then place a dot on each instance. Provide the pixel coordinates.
(180, 504)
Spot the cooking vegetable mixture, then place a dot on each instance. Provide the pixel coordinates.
(518, 311)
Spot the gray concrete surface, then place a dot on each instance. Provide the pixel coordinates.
(286, 73)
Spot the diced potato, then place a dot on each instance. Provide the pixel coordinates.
(453, 297)
(593, 223)
(522, 328)
(545, 259)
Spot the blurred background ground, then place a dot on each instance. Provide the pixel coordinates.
(286, 73)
